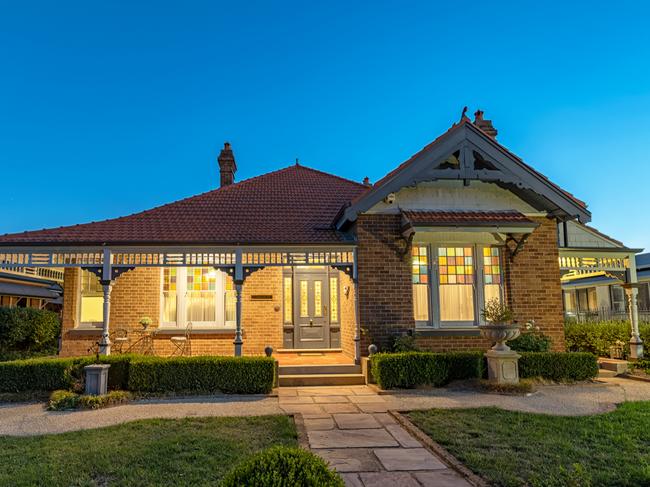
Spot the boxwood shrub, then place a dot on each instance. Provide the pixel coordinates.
(243, 375)
(413, 369)
(598, 337)
(27, 331)
(558, 366)
(282, 466)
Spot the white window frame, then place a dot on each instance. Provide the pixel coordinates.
(478, 286)
(181, 302)
(89, 325)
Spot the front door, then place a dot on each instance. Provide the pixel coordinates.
(311, 294)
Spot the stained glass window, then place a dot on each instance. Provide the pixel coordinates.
(456, 279)
(288, 300)
(334, 299)
(304, 299)
(420, 276)
(201, 298)
(492, 273)
(318, 298)
(456, 265)
(170, 278)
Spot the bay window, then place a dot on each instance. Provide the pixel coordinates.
(201, 295)
(451, 284)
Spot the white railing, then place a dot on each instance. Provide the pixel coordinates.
(50, 273)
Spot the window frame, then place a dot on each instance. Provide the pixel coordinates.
(89, 325)
(478, 286)
(181, 302)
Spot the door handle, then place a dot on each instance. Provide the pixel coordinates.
(311, 322)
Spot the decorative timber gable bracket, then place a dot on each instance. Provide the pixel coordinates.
(466, 153)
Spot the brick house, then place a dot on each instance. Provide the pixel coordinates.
(305, 261)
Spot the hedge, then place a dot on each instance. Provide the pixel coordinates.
(413, 369)
(558, 366)
(598, 337)
(144, 374)
(243, 375)
(28, 330)
(282, 466)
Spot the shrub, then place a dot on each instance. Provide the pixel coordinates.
(43, 374)
(64, 400)
(599, 337)
(404, 343)
(28, 330)
(282, 466)
(245, 375)
(465, 365)
(558, 366)
(531, 342)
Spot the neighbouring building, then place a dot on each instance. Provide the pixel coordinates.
(309, 262)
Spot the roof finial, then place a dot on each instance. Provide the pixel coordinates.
(366, 181)
(297, 162)
(463, 115)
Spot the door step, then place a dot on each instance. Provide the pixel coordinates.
(324, 369)
(614, 365)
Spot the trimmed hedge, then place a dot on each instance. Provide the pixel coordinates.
(598, 337)
(558, 366)
(28, 330)
(282, 466)
(242, 375)
(412, 369)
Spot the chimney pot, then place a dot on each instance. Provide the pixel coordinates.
(227, 165)
(485, 125)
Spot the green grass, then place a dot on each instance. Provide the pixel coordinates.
(193, 451)
(512, 448)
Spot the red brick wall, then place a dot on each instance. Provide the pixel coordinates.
(533, 288)
(348, 319)
(385, 289)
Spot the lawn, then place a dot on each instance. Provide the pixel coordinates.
(193, 451)
(512, 448)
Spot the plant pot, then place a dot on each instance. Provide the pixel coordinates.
(499, 334)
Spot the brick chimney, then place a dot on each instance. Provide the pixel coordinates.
(485, 125)
(227, 165)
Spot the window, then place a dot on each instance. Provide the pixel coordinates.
(334, 299)
(618, 299)
(92, 300)
(451, 284)
(201, 295)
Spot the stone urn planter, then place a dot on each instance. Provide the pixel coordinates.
(499, 334)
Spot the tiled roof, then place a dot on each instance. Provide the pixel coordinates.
(463, 218)
(294, 205)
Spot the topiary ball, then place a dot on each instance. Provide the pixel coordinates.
(282, 466)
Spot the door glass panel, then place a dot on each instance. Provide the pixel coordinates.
(420, 277)
(304, 299)
(456, 283)
(334, 299)
(318, 299)
(288, 301)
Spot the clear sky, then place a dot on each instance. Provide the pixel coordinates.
(108, 108)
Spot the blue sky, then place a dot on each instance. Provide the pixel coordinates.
(108, 108)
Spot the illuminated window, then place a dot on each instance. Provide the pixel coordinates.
(304, 299)
(288, 300)
(334, 299)
(92, 300)
(318, 298)
(491, 274)
(420, 275)
(456, 279)
(169, 294)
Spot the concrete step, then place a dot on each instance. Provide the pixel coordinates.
(300, 380)
(603, 373)
(615, 365)
(319, 369)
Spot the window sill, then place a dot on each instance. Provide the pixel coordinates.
(85, 331)
(448, 332)
(195, 331)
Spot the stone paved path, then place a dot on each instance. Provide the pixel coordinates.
(351, 429)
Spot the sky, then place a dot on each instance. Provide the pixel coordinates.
(109, 108)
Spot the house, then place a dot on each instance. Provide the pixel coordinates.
(601, 296)
(314, 265)
(30, 287)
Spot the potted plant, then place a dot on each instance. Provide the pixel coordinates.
(499, 327)
(145, 321)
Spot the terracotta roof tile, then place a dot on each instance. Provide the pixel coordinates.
(294, 205)
(454, 218)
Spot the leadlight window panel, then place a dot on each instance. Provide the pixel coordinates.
(288, 299)
(420, 278)
(334, 299)
(170, 284)
(318, 298)
(304, 299)
(92, 299)
(201, 299)
(492, 276)
(456, 284)
(230, 302)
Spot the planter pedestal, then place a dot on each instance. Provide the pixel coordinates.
(96, 379)
(503, 366)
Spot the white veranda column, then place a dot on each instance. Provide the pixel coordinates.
(239, 281)
(636, 344)
(105, 341)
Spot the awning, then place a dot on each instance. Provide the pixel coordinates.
(13, 289)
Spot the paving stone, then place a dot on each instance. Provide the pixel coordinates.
(287, 391)
(351, 480)
(295, 400)
(319, 424)
(302, 408)
(340, 408)
(361, 438)
(363, 391)
(408, 459)
(404, 437)
(348, 421)
(384, 418)
(367, 398)
(350, 459)
(441, 478)
(327, 399)
(374, 407)
(325, 391)
(388, 479)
